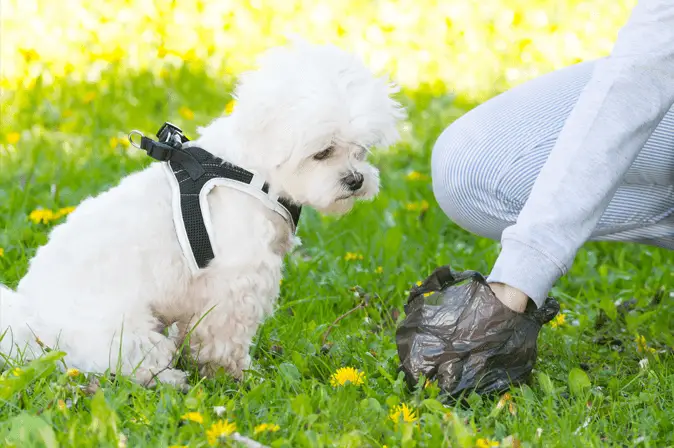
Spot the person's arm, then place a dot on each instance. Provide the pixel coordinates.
(628, 95)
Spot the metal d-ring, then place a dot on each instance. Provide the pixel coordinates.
(131, 139)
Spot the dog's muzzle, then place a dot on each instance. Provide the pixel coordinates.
(353, 181)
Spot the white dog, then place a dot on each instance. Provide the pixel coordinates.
(114, 275)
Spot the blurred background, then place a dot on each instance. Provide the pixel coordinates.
(473, 48)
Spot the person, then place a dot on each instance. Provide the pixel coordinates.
(585, 153)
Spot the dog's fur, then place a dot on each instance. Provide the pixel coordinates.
(113, 275)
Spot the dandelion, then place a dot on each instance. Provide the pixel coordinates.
(379, 270)
(61, 405)
(347, 374)
(17, 371)
(507, 399)
(230, 107)
(404, 412)
(2, 252)
(41, 216)
(193, 417)
(558, 321)
(219, 429)
(426, 294)
(485, 443)
(642, 347)
(89, 97)
(269, 427)
(351, 256)
(417, 206)
(415, 175)
(63, 212)
(13, 138)
(72, 373)
(186, 113)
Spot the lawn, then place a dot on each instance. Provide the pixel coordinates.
(605, 374)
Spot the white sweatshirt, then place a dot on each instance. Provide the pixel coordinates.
(629, 93)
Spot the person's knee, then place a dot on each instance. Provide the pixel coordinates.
(460, 177)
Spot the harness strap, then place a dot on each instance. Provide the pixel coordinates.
(193, 172)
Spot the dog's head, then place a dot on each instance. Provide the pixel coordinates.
(307, 118)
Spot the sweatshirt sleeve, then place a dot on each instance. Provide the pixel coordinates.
(627, 96)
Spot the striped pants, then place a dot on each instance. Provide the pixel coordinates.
(486, 162)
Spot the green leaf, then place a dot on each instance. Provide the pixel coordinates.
(301, 405)
(435, 406)
(28, 430)
(609, 308)
(579, 382)
(545, 383)
(289, 372)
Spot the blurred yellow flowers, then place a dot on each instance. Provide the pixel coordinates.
(642, 347)
(13, 138)
(415, 175)
(403, 412)
(352, 256)
(2, 252)
(72, 372)
(186, 113)
(46, 216)
(346, 375)
(193, 417)
(219, 429)
(558, 321)
(417, 206)
(485, 443)
(266, 427)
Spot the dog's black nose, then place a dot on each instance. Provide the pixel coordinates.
(354, 181)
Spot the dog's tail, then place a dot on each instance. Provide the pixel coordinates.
(14, 328)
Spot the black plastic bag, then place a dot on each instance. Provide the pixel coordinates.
(457, 332)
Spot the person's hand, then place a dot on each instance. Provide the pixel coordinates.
(457, 331)
(511, 297)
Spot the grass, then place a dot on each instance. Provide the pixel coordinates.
(588, 388)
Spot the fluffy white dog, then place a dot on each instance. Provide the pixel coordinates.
(113, 275)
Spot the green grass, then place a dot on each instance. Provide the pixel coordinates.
(64, 155)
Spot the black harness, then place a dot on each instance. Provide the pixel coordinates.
(194, 169)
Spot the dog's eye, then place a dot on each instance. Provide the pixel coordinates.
(324, 154)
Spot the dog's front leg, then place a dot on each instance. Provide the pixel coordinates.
(224, 332)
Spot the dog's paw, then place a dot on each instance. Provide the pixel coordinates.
(151, 377)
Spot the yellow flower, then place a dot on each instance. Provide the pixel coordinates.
(17, 371)
(186, 113)
(558, 321)
(271, 427)
(2, 252)
(379, 270)
(61, 405)
(114, 141)
(219, 429)
(485, 443)
(63, 212)
(341, 376)
(194, 417)
(351, 256)
(89, 97)
(417, 206)
(642, 347)
(404, 412)
(41, 216)
(72, 372)
(415, 175)
(230, 107)
(29, 55)
(13, 138)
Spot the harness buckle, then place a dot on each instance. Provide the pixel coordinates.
(171, 135)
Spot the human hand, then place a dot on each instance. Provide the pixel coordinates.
(459, 333)
(511, 297)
